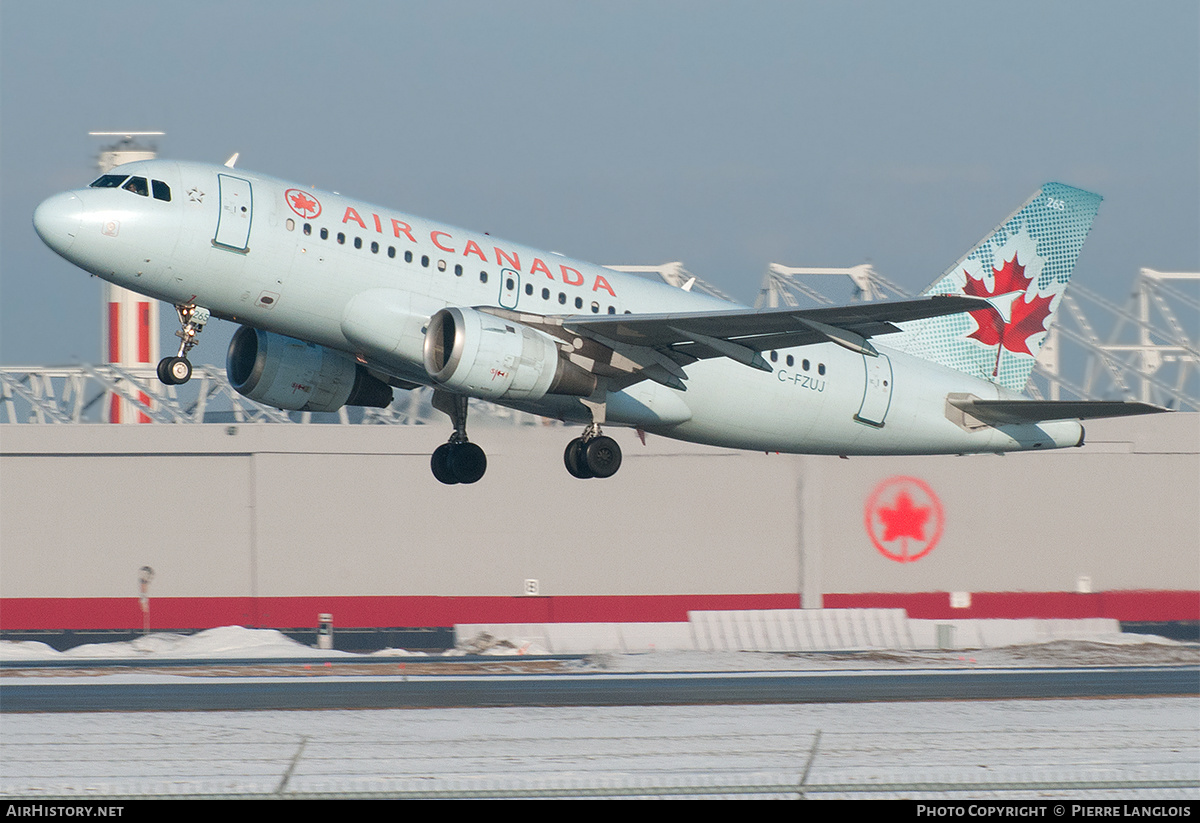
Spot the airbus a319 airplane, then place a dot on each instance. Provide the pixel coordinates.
(341, 300)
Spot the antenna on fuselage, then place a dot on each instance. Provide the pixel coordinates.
(232, 159)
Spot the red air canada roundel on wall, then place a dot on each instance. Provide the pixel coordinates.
(303, 203)
(904, 519)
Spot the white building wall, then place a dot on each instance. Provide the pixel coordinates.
(277, 510)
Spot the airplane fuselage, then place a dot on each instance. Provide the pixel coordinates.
(364, 280)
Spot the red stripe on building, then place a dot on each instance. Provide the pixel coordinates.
(89, 613)
(55, 613)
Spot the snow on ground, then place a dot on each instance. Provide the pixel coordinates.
(235, 642)
(230, 642)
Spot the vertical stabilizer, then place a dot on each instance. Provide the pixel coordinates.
(1021, 268)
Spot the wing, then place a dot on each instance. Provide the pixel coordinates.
(629, 348)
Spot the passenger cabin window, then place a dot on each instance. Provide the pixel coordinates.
(109, 181)
(161, 191)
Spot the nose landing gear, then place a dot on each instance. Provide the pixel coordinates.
(178, 369)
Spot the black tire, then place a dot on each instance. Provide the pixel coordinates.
(467, 462)
(602, 456)
(440, 464)
(179, 369)
(573, 459)
(164, 375)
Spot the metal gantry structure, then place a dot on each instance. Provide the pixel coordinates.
(76, 394)
(1150, 352)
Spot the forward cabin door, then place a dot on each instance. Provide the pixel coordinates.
(877, 391)
(237, 210)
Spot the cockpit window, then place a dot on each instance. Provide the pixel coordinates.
(137, 185)
(161, 190)
(109, 181)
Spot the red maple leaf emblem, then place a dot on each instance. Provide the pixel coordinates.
(903, 519)
(907, 528)
(302, 204)
(1029, 313)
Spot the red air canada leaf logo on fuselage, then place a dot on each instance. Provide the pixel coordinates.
(1028, 317)
(303, 203)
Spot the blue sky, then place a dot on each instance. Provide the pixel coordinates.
(726, 135)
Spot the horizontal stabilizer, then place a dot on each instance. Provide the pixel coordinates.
(1003, 412)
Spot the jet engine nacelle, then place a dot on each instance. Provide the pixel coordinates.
(482, 355)
(290, 374)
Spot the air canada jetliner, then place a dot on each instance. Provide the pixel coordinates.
(341, 301)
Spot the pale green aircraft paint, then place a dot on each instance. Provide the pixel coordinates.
(342, 300)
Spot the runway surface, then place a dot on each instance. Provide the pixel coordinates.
(874, 724)
(153, 691)
(1113, 748)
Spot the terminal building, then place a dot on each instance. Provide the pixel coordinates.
(272, 526)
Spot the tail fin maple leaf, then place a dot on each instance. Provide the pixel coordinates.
(1046, 233)
(1028, 316)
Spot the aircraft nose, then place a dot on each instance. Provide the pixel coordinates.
(57, 220)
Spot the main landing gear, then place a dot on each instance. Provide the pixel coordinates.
(592, 455)
(457, 460)
(178, 369)
(460, 461)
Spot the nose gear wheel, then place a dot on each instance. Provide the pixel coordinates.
(178, 369)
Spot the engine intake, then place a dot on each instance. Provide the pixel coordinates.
(482, 355)
(290, 374)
